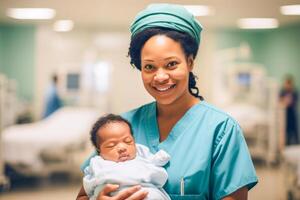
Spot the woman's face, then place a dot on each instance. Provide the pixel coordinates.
(116, 142)
(165, 69)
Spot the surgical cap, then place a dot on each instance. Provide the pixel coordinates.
(171, 16)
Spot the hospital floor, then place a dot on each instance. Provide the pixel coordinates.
(271, 186)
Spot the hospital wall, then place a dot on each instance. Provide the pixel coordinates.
(32, 54)
(17, 57)
(278, 50)
(73, 51)
(39, 52)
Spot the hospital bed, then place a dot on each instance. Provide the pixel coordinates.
(58, 143)
(291, 164)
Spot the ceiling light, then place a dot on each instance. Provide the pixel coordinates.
(290, 10)
(257, 23)
(63, 25)
(30, 13)
(199, 10)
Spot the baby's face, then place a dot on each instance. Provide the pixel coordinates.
(116, 142)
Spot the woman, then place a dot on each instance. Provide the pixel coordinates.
(209, 156)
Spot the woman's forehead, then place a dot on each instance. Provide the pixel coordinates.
(162, 46)
(161, 40)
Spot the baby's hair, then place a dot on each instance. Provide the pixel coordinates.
(103, 121)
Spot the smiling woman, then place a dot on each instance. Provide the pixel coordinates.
(206, 145)
(184, 54)
(165, 69)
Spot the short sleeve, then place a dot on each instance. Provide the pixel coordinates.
(232, 167)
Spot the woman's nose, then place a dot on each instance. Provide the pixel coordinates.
(161, 75)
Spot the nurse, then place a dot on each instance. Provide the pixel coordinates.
(209, 155)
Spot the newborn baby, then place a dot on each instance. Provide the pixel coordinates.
(121, 161)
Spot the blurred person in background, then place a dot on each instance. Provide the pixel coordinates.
(288, 98)
(53, 101)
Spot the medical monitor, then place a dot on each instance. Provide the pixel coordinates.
(73, 82)
(244, 79)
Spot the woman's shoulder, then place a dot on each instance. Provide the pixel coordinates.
(222, 123)
(216, 114)
(140, 112)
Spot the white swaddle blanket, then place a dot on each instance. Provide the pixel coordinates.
(145, 170)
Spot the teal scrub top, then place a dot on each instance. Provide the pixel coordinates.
(209, 155)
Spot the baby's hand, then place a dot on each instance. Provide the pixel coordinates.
(132, 193)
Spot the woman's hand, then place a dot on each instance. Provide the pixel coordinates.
(132, 193)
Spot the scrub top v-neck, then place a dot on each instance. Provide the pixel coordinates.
(153, 136)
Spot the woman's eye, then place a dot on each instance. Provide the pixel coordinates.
(148, 67)
(172, 64)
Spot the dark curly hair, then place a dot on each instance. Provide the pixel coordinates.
(101, 122)
(187, 42)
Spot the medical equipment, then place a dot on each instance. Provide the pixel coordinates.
(87, 85)
(245, 91)
(69, 85)
(9, 101)
(58, 143)
(5, 95)
(291, 165)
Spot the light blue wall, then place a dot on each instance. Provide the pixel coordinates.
(233, 38)
(278, 50)
(282, 53)
(17, 56)
(1, 51)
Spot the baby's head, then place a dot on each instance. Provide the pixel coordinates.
(112, 137)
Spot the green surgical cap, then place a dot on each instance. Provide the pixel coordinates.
(167, 16)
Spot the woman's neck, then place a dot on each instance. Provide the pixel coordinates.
(178, 108)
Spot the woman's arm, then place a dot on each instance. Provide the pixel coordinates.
(240, 194)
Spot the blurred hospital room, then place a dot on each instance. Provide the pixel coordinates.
(64, 63)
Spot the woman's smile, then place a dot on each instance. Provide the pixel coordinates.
(165, 71)
(164, 88)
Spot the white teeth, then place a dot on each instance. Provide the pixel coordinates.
(163, 89)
